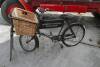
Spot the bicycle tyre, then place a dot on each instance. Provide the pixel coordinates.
(67, 30)
(35, 39)
(7, 8)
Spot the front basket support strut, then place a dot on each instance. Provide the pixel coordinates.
(11, 37)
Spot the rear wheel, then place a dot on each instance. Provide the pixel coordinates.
(70, 39)
(7, 7)
(29, 43)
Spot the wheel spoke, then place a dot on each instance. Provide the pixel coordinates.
(69, 37)
(28, 43)
(72, 40)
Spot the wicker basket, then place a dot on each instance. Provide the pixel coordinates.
(25, 22)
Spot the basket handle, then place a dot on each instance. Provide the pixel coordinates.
(10, 16)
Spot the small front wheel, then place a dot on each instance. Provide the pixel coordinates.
(29, 43)
(73, 35)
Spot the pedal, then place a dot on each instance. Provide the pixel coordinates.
(39, 35)
(55, 38)
(61, 46)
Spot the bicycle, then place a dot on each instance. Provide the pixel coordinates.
(70, 36)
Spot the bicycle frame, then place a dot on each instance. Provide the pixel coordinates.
(58, 36)
(50, 36)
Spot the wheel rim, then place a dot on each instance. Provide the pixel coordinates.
(73, 40)
(27, 43)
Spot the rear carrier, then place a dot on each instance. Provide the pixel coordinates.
(25, 22)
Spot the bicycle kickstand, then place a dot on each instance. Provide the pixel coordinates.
(11, 40)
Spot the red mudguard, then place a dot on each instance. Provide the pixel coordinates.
(26, 5)
(64, 8)
(56, 7)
